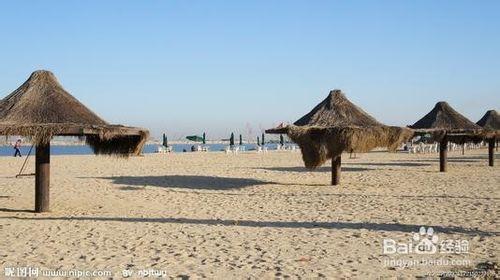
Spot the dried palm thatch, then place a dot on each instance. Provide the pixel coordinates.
(40, 109)
(444, 121)
(318, 144)
(444, 117)
(490, 120)
(337, 110)
(336, 125)
(491, 124)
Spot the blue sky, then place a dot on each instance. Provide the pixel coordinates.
(219, 66)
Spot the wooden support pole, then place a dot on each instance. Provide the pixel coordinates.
(336, 163)
(42, 178)
(491, 151)
(443, 152)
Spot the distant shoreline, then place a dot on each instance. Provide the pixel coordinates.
(149, 142)
(150, 148)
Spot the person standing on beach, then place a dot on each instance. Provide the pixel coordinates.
(17, 148)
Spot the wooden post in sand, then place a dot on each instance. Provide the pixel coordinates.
(42, 178)
(336, 162)
(443, 151)
(491, 151)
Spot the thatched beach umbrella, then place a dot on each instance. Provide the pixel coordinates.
(490, 122)
(336, 125)
(447, 125)
(195, 138)
(40, 109)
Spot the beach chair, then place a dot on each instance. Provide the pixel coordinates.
(232, 149)
(434, 148)
(413, 149)
(235, 149)
(428, 148)
(421, 148)
(164, 150)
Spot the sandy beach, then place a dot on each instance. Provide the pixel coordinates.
(248, 215)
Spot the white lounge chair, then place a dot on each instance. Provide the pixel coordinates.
(236, 149)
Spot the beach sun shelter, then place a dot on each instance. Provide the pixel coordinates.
(40, 109)
(195, 138)
(490, 122)
(336, 125)
(444, 124)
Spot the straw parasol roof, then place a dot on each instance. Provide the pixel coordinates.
(491, 123)
(337, 110)
(336, 125)
(444, 120)
(40, 109)
(444, 117)
(490, 120)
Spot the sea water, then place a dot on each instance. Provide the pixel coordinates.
(86, 150)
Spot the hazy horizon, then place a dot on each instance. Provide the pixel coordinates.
(191, 67)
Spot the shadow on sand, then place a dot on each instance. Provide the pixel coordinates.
(351, 167)
(185, 182)
(395, 163)
(450, 160)
(16, 210)
(459, 158)
(346, 195)
(272, 224)
(412, 197)
(319, 169)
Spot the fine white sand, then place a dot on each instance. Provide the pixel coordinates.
(248, 215)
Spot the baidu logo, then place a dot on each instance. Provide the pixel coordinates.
(425, 241)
